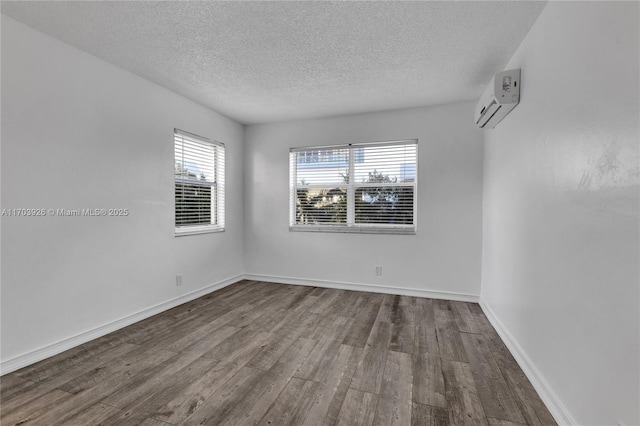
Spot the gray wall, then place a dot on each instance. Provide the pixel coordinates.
(80, 133)
(445, 254)
(560, 267)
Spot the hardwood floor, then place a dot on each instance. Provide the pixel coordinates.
(274, 354)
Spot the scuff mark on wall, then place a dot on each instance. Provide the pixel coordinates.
(610, 167)
(610, 183)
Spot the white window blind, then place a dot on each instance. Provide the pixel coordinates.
(199, 184)
(354, 188)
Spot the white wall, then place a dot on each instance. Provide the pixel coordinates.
(560, 251)
(444, 256)
(80, 133)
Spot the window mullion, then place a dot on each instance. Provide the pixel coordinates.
(351, 191)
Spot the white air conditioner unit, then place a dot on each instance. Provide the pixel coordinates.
(502, 95)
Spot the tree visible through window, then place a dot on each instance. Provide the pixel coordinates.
(199, 184)
(363, 188)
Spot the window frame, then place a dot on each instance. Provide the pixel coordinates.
(355, 156)
(218, 212)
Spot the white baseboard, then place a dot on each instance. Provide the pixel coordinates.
(50, 350)
(555, 406)
(373, 288)
(553, 403)
(44, 352)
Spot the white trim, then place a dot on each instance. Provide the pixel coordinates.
(550, 399)
(356, 229)
(355, 185)
(356, 145)
(44, 352)
(201, 229)
(373, 288)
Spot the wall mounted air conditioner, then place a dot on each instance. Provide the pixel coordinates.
(502, 95)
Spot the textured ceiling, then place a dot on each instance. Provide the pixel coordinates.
(271, 61)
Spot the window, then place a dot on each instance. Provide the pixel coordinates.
(199, 184)
(354, 188)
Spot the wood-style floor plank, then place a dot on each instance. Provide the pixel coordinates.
(156, 378)
(145, 405)
(292, 404)
(318, 364)
(441, 305)
(368, 377)
(331, 393)
(428, 381)
(290, 323)
(531, 406)
(359, 332)
(350, 305)
(14, 397)
(403, 310)
(475, 308)
(35, 408)
(464, 318)
(425, 327)
(251, 410)
(326, 300)
(463, 403)
(426, 415)
(68, 360)
(235, 343)
(154, 422)
(181, 406)
(96, 414)
(11, 384)
(498, 422)
(358, 409)
(497, 399)
(127, 367)
(448, 335)
(89, 390)
(273, 350)
(394, 401)
(386, 305)
(209, 330)
(402, 338)
(264, 353)
(249, 394)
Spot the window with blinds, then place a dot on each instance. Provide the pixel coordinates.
(354, 188)
(199, 184)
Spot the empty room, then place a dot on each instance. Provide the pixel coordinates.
(320, 213)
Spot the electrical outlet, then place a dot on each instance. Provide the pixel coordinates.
(378, 270)
(178, 280)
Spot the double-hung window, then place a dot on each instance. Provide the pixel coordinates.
(199, 184)
(369, 187)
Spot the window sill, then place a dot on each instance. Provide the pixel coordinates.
(195, 230)
(354, 229)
